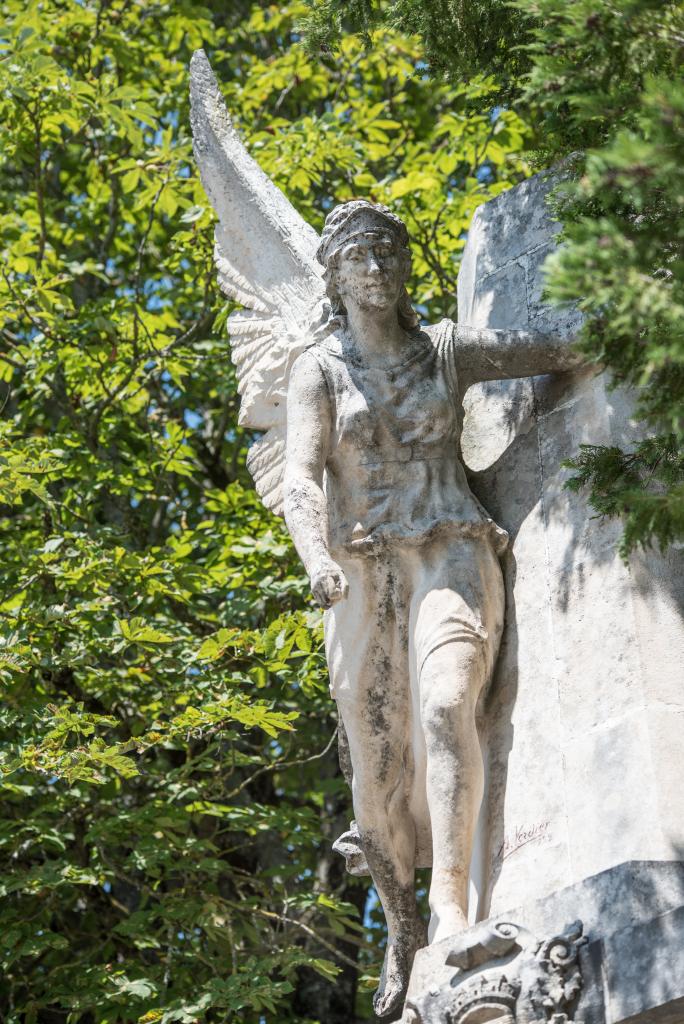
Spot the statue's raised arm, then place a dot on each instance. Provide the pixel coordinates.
(483, 353)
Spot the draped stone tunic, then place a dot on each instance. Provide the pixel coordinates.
(393, 473)
(398, 495)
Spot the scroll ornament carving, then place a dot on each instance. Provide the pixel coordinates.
(561, 981)
(508, 977)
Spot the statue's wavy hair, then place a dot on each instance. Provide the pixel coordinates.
(335, 313)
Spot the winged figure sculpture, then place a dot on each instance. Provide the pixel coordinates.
(361, 412)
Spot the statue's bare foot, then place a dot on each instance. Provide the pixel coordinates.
(396, 970)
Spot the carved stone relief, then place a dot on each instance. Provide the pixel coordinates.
(505, 975)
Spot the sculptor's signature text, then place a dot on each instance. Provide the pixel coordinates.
(522, 835)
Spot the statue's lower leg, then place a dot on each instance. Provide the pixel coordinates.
(397, 965)
(451, 682)
(406, 931)
(388, 840)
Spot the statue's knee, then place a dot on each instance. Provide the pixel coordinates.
(450, 683)
(447, 708)
(459, 660)
(442, 714)
(373, 785)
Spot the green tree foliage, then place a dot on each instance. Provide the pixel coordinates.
(602, 77)
(169, 781)
(460, 38)
(607, 77)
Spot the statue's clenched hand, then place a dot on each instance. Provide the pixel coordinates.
(328, 583)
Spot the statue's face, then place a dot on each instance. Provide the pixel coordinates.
(371, 271)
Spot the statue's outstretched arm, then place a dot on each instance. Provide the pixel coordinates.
(486, 354)
(306, 507)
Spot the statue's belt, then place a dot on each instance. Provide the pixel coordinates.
(407, 453)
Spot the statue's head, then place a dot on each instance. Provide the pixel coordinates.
(366, 258)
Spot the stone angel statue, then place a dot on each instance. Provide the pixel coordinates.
(361, 411)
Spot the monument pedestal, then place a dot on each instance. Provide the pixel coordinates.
(607, 950)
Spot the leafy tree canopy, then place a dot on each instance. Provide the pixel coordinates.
(169, 781)
(602, 77)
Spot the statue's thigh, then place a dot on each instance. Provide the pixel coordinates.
(455, 621)
(367, 651)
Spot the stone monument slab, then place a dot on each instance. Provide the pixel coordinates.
(584, 728)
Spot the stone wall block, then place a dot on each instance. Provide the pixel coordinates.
(643, 967)
(624, 823)
(503, 231)
(500, 297)
(583, 722)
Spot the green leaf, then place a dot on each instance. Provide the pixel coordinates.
(137, 630)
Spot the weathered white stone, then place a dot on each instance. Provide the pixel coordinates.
(584, 725)
(500, 972)
(620, 961)
(501, 232)
(364, 464)
(265, 256)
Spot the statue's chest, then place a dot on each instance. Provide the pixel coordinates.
(406, 405)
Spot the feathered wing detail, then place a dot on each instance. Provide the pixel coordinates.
(266, 463)
(265, 260)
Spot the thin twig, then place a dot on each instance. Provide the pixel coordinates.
(278, 765)
(283, 919)
(40, 196)
(39, 325)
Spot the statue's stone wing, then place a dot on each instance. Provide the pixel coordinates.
(265, 260)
